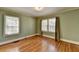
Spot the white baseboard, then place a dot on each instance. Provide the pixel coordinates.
(70, 41)
(65, 40)
(37, 34)
(9, 41)
(49, 36)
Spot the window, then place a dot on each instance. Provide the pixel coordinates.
(51, 26)
(11, 25)
(48, 25)
(44, 25)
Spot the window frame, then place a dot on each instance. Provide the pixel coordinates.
(5, 25)
(48, 25)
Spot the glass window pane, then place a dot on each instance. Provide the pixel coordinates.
(44, 25)
(11, 25)
(52, 24)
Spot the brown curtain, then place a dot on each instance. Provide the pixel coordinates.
(57, 29)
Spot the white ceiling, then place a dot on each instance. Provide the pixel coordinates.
(30, 11)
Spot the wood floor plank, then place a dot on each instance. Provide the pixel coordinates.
(39, 44)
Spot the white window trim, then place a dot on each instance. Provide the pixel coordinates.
(48, 26)
(5, 25)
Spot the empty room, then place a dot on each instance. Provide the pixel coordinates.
(39, 29)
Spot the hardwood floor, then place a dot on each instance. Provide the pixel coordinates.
(39, 44)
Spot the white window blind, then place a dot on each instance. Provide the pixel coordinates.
(51, 26)
(11, 25)
(44, 25)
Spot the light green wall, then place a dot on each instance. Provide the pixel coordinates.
(49, 34)
(1, 33)
(27, 25)
(69, 23)
(38, 22)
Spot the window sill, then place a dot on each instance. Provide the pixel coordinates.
(48, 32)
